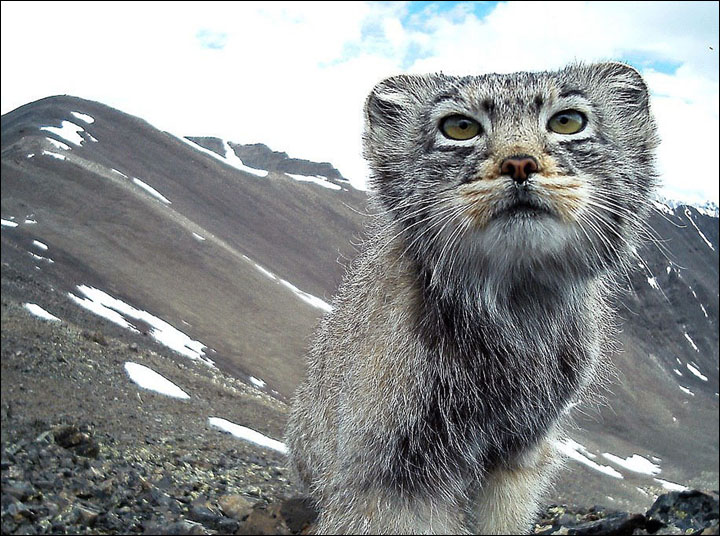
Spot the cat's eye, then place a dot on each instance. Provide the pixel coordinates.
(567, 122)
(459, 127)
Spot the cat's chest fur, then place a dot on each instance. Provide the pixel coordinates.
(494, 381)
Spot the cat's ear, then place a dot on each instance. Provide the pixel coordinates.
(626, 83)
(627, 94)
(392, 101)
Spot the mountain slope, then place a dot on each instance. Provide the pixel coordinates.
(192, 259)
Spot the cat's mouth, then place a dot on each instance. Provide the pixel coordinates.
(521, 208)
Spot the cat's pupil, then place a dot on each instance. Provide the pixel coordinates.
(464, 125)
(564, 120)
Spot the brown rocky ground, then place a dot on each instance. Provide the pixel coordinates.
(85, 450)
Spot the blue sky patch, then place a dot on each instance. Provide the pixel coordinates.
(644, 61)
(423, 10)
(212, 39)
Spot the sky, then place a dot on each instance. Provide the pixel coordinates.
(295, 75)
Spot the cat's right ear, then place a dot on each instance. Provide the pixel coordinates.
(388, 102)
(392, 102)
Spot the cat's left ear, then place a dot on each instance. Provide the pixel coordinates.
(627, 94)
(628, 85)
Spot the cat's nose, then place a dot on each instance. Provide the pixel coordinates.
(519, 167)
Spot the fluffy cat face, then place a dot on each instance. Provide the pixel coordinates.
(514, 172)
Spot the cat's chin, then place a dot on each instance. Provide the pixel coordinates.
(523, 214)
(525, 234)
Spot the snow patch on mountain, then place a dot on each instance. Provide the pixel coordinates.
(257, 382)
(688, 215)
(58, 144)
(84, 117)
(316, 179)
(54, 155)
(308, 298)
(671, 486)
(68, 131)
(40, 312)
(635, 463)
(663, 207)
(668, 206)
(152, 191)
(686, 390)
(116, 311)
(696, 372)
(147, 378)
(235, 163)
(41, 258)
(579, 453)
(248, 434)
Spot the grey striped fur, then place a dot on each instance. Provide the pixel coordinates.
(464, 331)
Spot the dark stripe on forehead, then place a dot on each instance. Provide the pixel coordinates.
(444, 97)
(572, 93)
(488, 106)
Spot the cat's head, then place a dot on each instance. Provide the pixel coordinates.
(518, 172)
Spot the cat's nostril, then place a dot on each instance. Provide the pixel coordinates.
(519, 167)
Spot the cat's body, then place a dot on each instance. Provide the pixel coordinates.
(477, 312)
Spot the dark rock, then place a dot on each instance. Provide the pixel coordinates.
(183, 526)
(110, 521)
(58, 527)
(15, 510)
(205, 515)
(164, 483)
(26, 528)
(96, 336)
(227, 526)
(618, 524)
(299, 513)
(7, 499)
(687, 510)
(8, 525)
(70, 437)
(157, 497)
(51, 508)
(86, 516)
(20, 490)
(264, 519)
(235, 506)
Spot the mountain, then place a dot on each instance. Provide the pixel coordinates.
(227, 255)
(152, 220)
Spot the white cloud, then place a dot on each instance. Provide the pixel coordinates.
(295, 75)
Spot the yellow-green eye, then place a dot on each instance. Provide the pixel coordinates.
(459, 127)
(567, 122)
